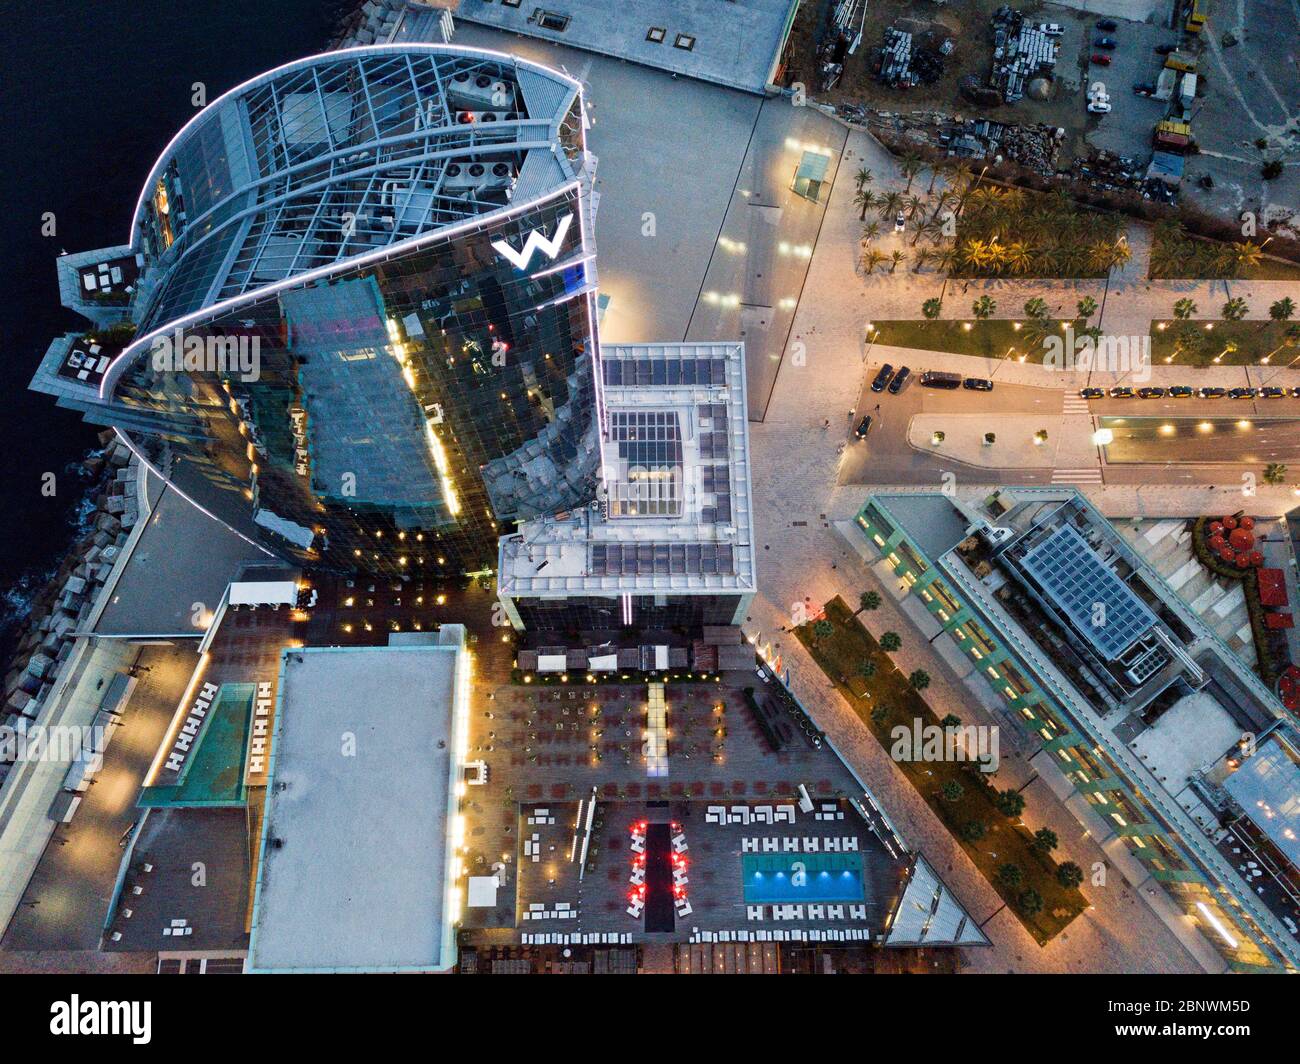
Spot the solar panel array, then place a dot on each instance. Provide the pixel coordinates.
(662, 559)
(1098, 603)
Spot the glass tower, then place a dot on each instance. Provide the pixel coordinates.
(364, 329)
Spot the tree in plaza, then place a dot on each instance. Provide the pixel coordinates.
(1069, 874)
(870, 231)
(1274, 473)
(931, 307)
(879, 714)
(1019, 257)
(1234, 309)
(1282, 310)
(1120, 254)
(1271, 170)
(984, 307)
(950, 720)
(822, 629)
(1291, 338)
(952, 791)
(864, 199)
(895, 257)
(867, 669)
(890, 641)
(862, 178)
(1246, 255)
(945, 259)
(889, 204)
(913, 205)
(911, 165)
(870, 600)
(1036, 307)
(1011, 874)
(1036, 330)
(1030, 902)
(1045, 841)
(937, 170)
(922, 257)
(1086, 307)
(973, 830)
(1184, 309)
(1010, 803)
(873, 258)
(919, 680)
(930, 229)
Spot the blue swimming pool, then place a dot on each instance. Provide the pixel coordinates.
(802, 877)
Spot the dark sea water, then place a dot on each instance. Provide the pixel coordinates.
(91, 91)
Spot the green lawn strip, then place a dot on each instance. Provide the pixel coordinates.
(987, 339)
(839, 655)
(1254, 340)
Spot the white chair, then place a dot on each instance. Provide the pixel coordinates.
(850, 844)
(811, 844)
(789, 844)
(771, 844)
(831, 845)
(753, 912)
(749, 844)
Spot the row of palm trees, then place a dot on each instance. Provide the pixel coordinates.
(1175, 254)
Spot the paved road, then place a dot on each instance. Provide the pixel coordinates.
(66, 901)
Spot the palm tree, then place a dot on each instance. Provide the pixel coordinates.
(890, 641)
(873, 258)
(911, 165)
(1184, 309)
(1019, 257)
(1036, 308)
(862, 178)
(913, 205)
(870, 231)
(929, 228)
(1036, 330)
(1282, 310)
(1274, 473)
(867, 669)
(1069, 874)
(1246, 255)
(930, 308)
(952, 791)
(1234, 309)
(1086, 307)
(937, 170)
(863, 199)
(822, 629)
(984, 307)
(889, 204)
(1045, 841)
(870, 600)
(895, 257)
(922, 257)
(919, 680)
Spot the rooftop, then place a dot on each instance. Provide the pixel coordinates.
(1267, 787)
(357, 846)
(675, 513)
(736, 44)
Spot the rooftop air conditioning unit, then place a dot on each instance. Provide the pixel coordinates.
(478, 89)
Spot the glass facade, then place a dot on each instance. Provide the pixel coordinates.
(404, 412)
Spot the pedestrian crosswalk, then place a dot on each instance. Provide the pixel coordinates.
(1074, 404)
(1077, 476)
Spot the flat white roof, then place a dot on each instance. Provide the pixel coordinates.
(676, 515)
(356, 858)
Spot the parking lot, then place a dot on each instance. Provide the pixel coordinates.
(1251, 90)
(1127, 129)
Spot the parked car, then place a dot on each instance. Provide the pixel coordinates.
(900, 378)
(1099, 107)
(1121, 391)
(1151, 393)
(977, 384)
(1143, 88)
(1296, 392)
(864, 426)
(1052, 29)
(1092, 393)
(1107, 24)
(1242, 393)
(1213, 393)
(1181, 391)
(898, 222)
(1108, 43)
(1100, 59)
(883, 378)
(1272, 392)
(1165, 49)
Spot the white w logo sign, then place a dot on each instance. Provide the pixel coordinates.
(535, 242)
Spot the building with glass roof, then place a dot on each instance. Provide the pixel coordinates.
(357, 325)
